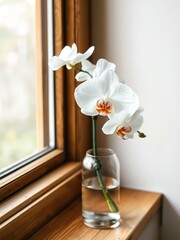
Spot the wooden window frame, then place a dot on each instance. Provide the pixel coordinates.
(42, 108)
(71, 24)
(39, 191)
(42, 165)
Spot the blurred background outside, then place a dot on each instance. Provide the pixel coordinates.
(17, 81)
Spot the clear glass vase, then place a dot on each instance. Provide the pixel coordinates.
(101, 189)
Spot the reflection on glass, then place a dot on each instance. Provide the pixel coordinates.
(18, 93)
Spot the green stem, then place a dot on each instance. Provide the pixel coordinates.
(111, 204)
(79, 69)
(97, 166)
(94, 119)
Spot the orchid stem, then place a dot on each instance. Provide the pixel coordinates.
(97, 166)
(79, 69)
(94, 119)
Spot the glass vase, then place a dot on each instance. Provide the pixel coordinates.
(101, 189)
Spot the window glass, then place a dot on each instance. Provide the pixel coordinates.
(26, 96)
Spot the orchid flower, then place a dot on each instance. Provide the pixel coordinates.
(86, 72)
(69, 57)
(102, 94)
(90, 70)
(124, 124)
(105, 96)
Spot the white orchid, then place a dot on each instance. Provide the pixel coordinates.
(69, 57)
(105, 96)
(124, 124)
(102, 94)
(90, 70)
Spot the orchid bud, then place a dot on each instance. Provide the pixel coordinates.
(141, 135)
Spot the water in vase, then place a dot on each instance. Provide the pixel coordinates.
(95, 210)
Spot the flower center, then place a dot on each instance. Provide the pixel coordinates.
(121, 132)
(104, 107)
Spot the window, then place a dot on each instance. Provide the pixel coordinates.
(54, 177)
(29, 93)
(26, 86)
(72, 129)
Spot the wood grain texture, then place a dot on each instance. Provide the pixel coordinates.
(39, 77)
(137, 208)
(33, 191)
(59, 75)
(76, 27)
(33, 216)
(30, 172)
(82, 36)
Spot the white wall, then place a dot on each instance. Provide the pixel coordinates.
(143, 38)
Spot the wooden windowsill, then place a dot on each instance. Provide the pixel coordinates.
(30, 208)
(137, 208)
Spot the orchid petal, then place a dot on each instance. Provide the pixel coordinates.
(80, 57)
(126, 121)
(88, 66)
(68, 52)
(107, 80)
(103, 65)
(55, 63)
(111, 125)
(86, 97)
(136, 121)
(68, 66)
(82, 76)
(123, 98)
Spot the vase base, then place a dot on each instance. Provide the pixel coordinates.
(101, 220)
